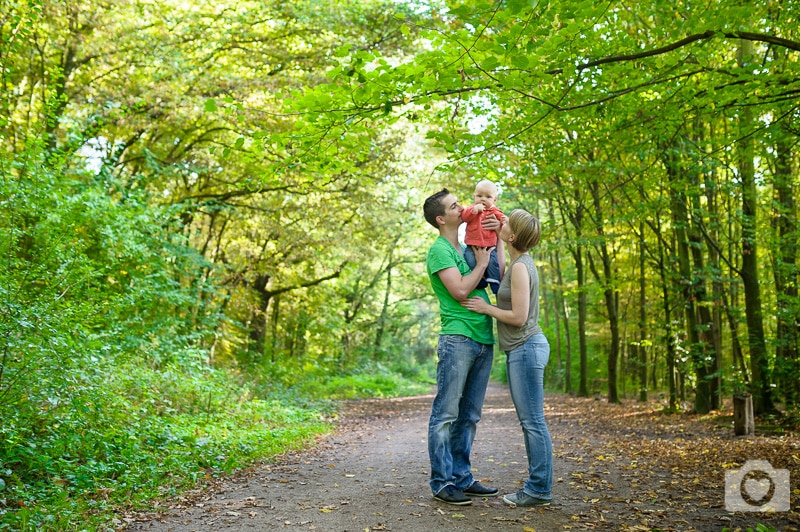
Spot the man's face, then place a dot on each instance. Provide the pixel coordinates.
(452, 210)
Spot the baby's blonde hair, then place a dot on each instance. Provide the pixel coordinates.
(488, 183)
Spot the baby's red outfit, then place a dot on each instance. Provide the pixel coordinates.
(476, 235)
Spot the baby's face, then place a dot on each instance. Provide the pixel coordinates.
(484, 195)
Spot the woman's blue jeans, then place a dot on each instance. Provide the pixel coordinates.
(525, 369)
(462, 375)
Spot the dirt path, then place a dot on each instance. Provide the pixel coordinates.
(373, 475)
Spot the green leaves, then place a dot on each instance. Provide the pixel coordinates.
(490, 63)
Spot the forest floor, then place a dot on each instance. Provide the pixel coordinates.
(616, 467)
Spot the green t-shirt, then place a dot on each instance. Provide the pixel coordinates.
(455, 318)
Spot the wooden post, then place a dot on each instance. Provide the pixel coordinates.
(744, 423)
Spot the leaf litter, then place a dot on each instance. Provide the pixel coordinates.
(627, 466)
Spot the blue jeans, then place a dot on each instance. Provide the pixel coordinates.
(492, 270)
(461, 378)
(525, 369)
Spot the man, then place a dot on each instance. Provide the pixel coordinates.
(466, 349)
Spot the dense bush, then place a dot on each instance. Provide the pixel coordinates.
(105, 390)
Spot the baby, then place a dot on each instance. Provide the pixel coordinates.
(485, 197)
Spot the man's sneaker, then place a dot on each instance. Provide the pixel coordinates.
(452, 495)
(521, 498)
(479, 490)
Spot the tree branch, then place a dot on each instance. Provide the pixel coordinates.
(745, 35)
(336, 273)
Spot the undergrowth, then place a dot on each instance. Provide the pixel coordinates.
(125, 439)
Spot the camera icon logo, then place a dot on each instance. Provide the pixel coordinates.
(757, 487)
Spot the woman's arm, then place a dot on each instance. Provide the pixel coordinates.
(520, 300)
(501, 252)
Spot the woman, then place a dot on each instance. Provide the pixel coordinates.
(527, 351)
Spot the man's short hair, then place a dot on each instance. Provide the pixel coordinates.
(434, 207)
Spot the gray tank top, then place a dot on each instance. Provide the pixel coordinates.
(510, 337)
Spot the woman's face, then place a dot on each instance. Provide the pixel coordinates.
(505, 232)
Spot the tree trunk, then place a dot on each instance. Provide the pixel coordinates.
(759, 361)
(577, 250)
(641, 351)
(550, 288)
(710, 185)
(686, 282)
(609, 294)
(583, 305)
(700, 275)
(668, 333)
(785, 268)
(258, 321)
(563, 315)
(744, 423)
(385, 307)
(274, 320)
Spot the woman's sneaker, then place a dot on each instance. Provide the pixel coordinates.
(521, 498)
(452, 495)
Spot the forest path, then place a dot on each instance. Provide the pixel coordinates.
(611, 473)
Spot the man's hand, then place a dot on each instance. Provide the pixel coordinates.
(482, 256)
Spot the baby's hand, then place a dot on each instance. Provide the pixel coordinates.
(479, 207)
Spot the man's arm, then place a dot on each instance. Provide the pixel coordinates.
(461, 286)
(520, 299)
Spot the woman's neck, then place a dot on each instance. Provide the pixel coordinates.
(514, 253)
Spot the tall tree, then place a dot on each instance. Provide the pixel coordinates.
(785, 267)
(759, 360)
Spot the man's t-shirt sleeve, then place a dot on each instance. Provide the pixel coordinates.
(439, 260)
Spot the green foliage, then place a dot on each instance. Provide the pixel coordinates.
(361, 386)
(759, 528)
(208, 219)
(106, 393)
(127, 438)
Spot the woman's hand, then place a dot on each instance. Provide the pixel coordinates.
(476, 304)
(492, 223)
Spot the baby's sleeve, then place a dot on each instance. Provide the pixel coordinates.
(467, 214)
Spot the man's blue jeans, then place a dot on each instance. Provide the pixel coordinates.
(525, 369)
(461, 378)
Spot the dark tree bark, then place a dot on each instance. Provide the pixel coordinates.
(610, 295)
(258, 324)
(759, 360)
(641, 351)
(785, 272)
(688, 283)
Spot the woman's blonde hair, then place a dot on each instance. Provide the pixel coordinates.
(526, 229)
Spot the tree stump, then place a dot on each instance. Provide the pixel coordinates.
(744, 423)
